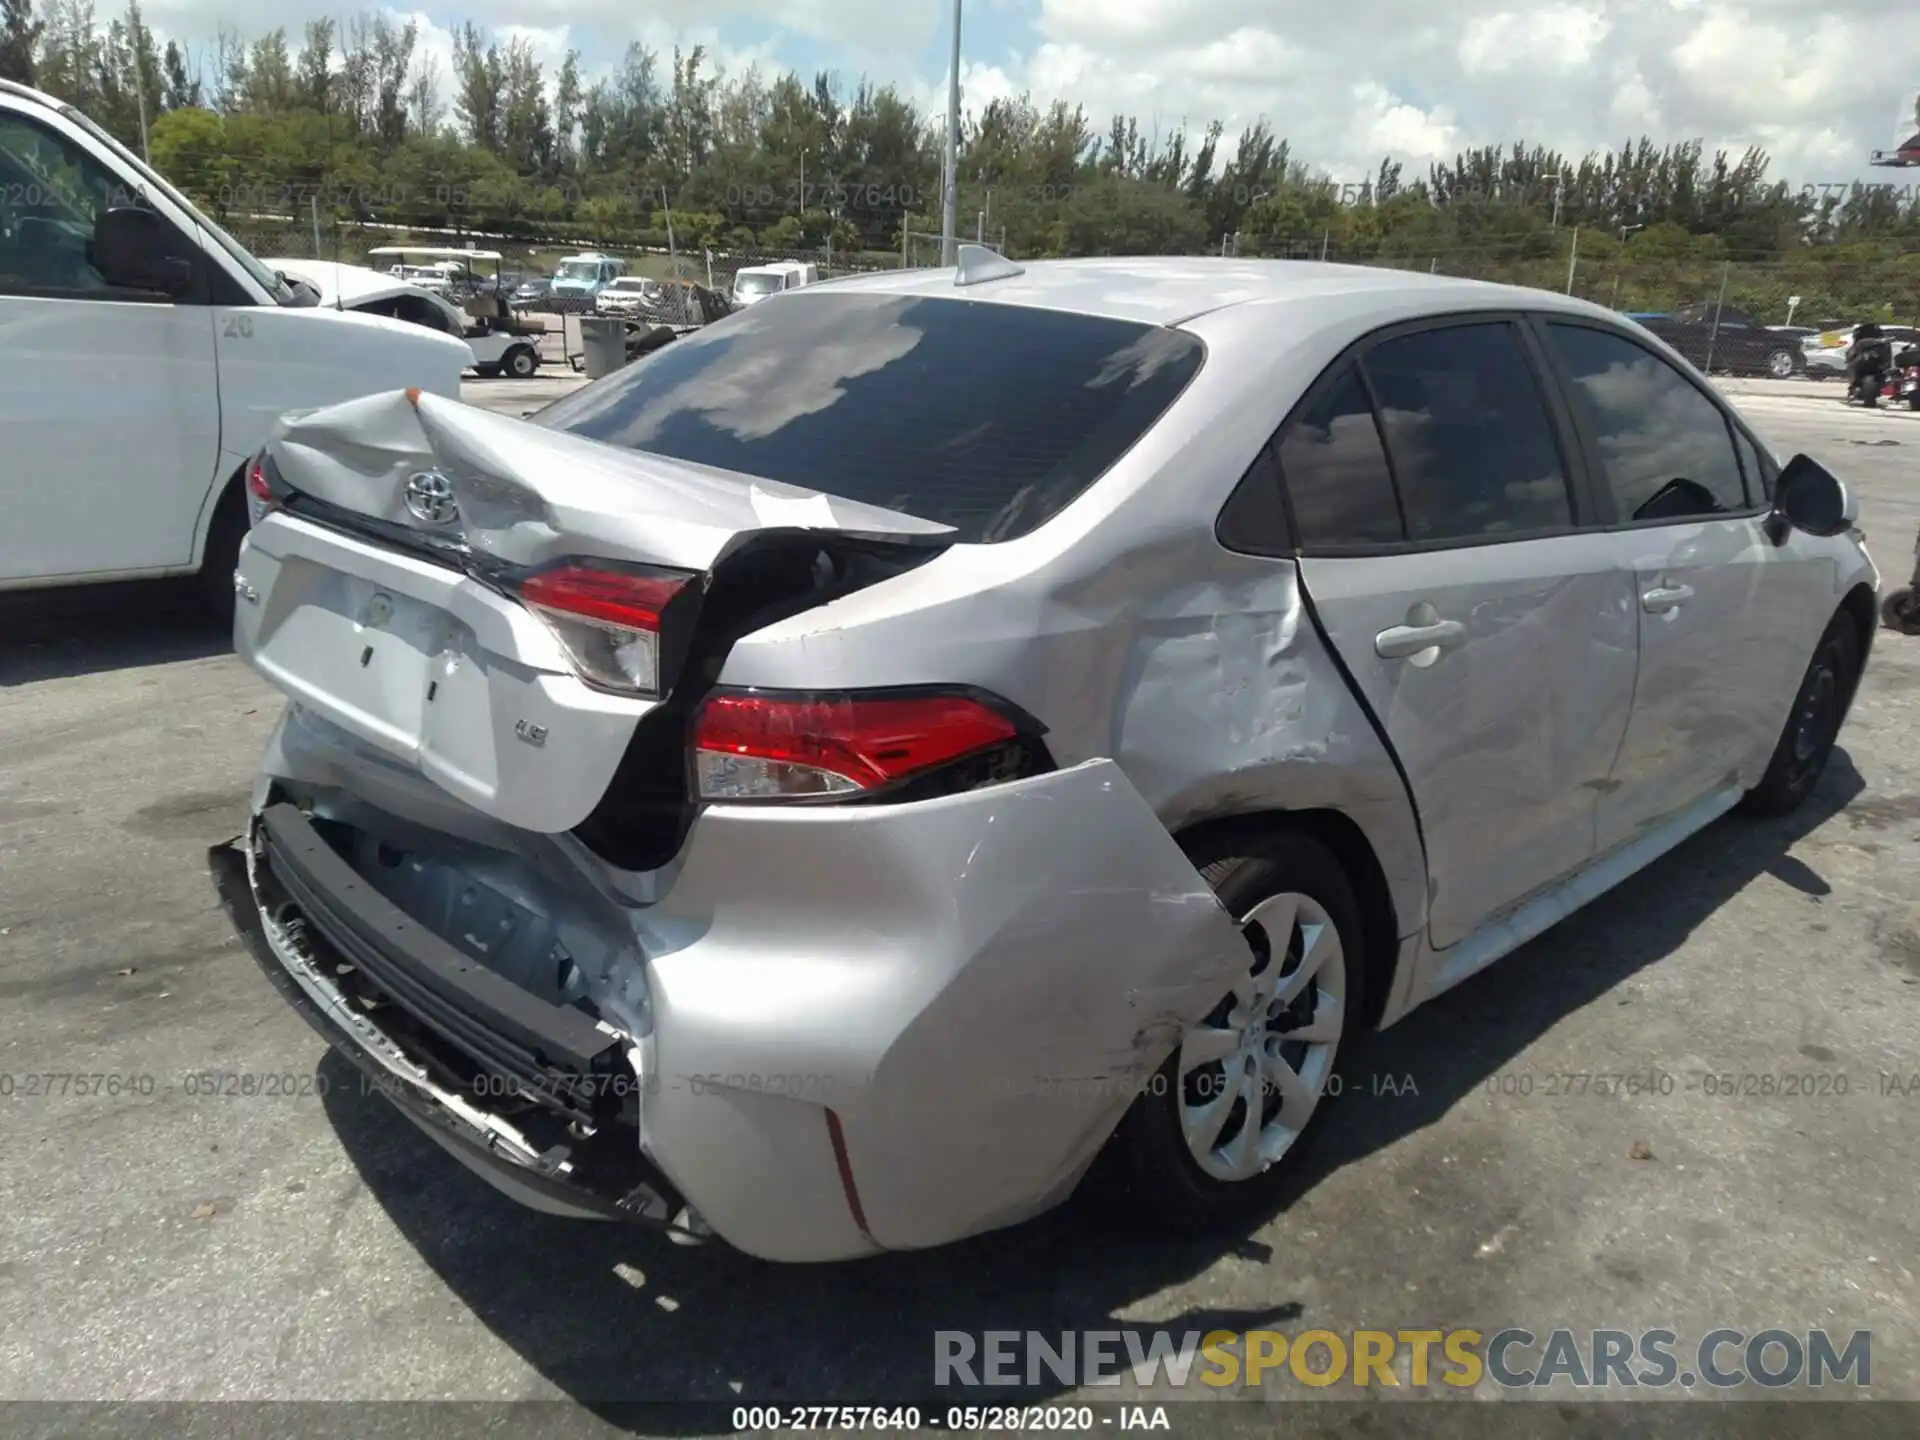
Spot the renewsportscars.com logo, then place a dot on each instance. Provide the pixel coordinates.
(1512, 1359)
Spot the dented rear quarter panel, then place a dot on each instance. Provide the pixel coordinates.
(977, 986)
(1132, 634)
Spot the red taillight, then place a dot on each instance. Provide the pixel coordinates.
(260, 496)
(608, 620)
(772, 747)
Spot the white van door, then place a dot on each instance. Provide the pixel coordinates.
(109, 398)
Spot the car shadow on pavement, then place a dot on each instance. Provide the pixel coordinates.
(612, 1316)
(85, 630)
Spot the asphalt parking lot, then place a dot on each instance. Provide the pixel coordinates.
(174, 1246)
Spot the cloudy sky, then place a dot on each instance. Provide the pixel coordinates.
(1348, 81)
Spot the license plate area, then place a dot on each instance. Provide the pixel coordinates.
(368, 653)
(444, 675)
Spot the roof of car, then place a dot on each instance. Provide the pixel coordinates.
(27, 92)
(1158, 290)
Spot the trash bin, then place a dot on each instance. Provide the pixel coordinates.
(603, 342)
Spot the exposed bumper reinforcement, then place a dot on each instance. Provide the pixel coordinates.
(553, 1052)
(482, 1143)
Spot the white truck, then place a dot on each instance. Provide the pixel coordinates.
(753, 283)
(145, 356)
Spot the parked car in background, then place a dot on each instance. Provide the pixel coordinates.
(1739, 344)
(144, 357)
(626, 296)
(1825, 354)
(425, 277)
(887, 786)
(532, 292)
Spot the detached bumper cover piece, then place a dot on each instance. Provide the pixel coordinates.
(976, 987)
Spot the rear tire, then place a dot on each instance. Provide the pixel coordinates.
(224, 534)
(1813, 724)
(1156, 1155)
(487, 372)
(1901, 611)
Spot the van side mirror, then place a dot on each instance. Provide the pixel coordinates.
(1809, 497)
(132, 249)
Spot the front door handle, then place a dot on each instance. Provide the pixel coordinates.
(1663, 598)
(1399, 641)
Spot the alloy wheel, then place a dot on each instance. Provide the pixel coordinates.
(1253, 1071)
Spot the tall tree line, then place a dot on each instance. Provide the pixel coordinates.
(358, 121)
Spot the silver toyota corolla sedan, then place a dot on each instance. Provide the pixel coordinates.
(833, 781)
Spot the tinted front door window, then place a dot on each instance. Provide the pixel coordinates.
(1665, 447)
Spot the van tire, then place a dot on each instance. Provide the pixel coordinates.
(225, 531)
(1147, 1162)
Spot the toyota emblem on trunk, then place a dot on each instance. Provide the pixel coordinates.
(430, 498)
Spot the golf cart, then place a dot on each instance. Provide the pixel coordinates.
(503, 341)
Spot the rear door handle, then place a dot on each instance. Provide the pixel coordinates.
(1663, 598)
(1399, 641)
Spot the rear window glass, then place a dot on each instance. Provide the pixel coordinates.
(987, 417)
(1336, 470)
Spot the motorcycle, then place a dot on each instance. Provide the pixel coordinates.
(1867, 374)
(1906, 382)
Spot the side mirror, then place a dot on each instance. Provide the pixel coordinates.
(131, 250)
(1810, 498)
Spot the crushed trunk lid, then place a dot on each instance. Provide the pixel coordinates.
(527, 494)
(399, 625)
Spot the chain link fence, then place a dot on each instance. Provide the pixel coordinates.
(1725, 313)
(524, 262)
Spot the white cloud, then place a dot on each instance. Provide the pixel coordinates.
(1546, 42)
(1348, 83)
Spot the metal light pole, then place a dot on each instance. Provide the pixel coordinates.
(949, 241)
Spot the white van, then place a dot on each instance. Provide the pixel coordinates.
(582, 277)
(756, 282)
(144, 358)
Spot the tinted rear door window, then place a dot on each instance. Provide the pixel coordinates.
(987, 417)
(1335, 470)
(1472, 444)
(1666, 447)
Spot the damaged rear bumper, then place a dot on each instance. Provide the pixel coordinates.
(870, 1027)
(296, 956)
